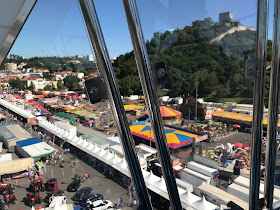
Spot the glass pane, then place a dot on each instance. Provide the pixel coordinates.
(204, 46)
(48, 118)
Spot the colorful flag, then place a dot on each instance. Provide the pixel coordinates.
(30, 174)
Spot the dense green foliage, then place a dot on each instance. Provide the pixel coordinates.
(54, 64)
(188, 55)
(48, 87)
(60, 85)
(72, 83)
(17, 83)
(31, 86)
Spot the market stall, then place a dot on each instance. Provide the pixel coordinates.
(34, 147)
(15, 166)
(133, 109)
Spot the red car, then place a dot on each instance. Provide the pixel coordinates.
(51, 184)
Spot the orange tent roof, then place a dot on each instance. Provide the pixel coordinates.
(168, 112)
(217, 111)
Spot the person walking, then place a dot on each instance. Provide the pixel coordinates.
(88, 175)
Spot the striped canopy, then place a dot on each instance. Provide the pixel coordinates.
(168, 112)
(175, 138)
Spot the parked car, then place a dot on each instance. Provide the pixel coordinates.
(90, 198)
(82, 193)
(99, 205)
(51, 193)
(51, 184)
(74, 185)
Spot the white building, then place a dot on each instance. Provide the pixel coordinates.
(11, 66)
(63, 74)
(80, 75)
(38, 82)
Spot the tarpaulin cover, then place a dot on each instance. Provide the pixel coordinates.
(7, 135)
(28, 142)
(14, 166)
(66, 116)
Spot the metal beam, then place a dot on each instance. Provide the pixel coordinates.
(259, 90)
(273, 111)
(149, 90)
(18, 18)
(105, 66)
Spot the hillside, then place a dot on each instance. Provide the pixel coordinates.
(188, 54)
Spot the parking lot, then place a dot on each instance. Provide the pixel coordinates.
(99, 183)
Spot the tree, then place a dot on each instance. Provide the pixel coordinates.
(47, 75)
(16, 83)
(53, 87)
(60, 85)
(3, 86)
(72, 83)
(48, 87)
(31, 87)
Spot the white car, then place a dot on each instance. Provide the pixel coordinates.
(99, 205)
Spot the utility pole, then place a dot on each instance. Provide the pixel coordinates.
(196, 94)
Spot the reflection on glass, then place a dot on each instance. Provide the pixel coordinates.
(206, 104)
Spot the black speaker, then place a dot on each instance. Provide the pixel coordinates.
(159, 72)
(96, 89)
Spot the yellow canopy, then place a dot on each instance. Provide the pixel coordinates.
(132, 107)
(240, 117)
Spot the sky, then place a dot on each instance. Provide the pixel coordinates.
(55, 27)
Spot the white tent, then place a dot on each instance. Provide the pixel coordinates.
(75, 139)
(115, 159)
(204, 204)
(145, 173)
(151, 178)
(189, 197)
(101, 152)
(85, 144)
(96, 149)
(160, 184)
(71, 137)
(122, 164)
(81, 141)
(66, 134)
(108, 155)
(90, 146)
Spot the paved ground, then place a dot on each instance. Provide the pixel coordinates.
(98, 182)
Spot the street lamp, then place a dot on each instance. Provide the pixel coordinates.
(196, 93)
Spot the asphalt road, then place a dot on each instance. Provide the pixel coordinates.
(98, 182)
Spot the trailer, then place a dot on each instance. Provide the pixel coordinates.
(194, 178)
(205, 170)
(244, 181)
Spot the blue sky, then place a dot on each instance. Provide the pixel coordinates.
(55, 27)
